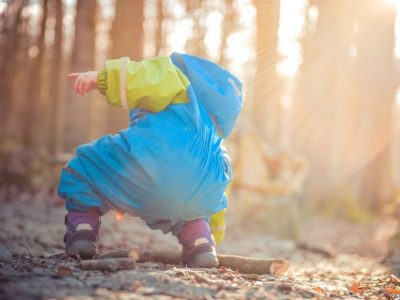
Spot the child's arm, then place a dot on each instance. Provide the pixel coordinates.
(151, 84)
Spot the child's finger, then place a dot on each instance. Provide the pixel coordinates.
(76, 83)
(81, 84)
(78, 86)
(73, 75)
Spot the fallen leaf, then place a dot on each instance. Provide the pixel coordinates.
(356, 289)
(392, 291)
(64, 271)
(223, 269)
(319, 290)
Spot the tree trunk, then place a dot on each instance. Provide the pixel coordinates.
(9, 48)
(229, 26)
(77, 118)
(160, 34)
(375, 89)
(127, 40)
(322, 123)
(55, 75)
(267, 87)
(14, 126)
(195, 43)
(33, 118)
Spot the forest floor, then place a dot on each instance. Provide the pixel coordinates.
(32, 231)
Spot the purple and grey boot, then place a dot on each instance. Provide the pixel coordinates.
(198, 245)
(82, 237)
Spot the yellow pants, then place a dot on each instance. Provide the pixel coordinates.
(217, 222)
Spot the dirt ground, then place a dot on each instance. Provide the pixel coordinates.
(345, 263)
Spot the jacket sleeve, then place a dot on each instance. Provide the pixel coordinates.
(150, 84)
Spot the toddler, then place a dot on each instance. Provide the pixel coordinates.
(169, 166)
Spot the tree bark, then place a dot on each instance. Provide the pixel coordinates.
(127, 36)
(229, 26)
(77, 120)
(9, 47)
(195, 43)
(375, 86)
(267, 86)
(322, 123)
(160, 34)
(55, 78)
(33, 112)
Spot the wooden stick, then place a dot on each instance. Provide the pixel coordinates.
(242, 264)
(248, 265)
(165, 257)
(109, 264)
(124, 253)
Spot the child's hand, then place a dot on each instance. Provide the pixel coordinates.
(84, 82)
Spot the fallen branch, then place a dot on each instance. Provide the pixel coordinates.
(109, 264)
(124, 253)
(248, 265)
(242, 264)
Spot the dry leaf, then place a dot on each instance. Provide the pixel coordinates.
(319, 290)
(392, 291)
(223, 269)
(356, 289)
(64, 271)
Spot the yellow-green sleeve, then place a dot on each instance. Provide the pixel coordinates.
(151, 84)
(102, 81)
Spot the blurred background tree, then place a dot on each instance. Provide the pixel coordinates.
(320, 123)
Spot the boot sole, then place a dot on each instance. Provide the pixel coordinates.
(85, 249)
(204, 260)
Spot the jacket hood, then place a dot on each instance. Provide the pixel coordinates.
(215, 88)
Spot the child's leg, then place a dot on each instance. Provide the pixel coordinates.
(198, 245)
(82, 236)
(84, 210)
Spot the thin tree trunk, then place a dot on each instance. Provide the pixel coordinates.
(127, 38)
(32, 136)
(322, 123)
(267, 96)
(55, 74)
(14, 127)
(227, 28)
(77, 119)
(160, 35)
(375, 89)
(11, 19)
(195, 43)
